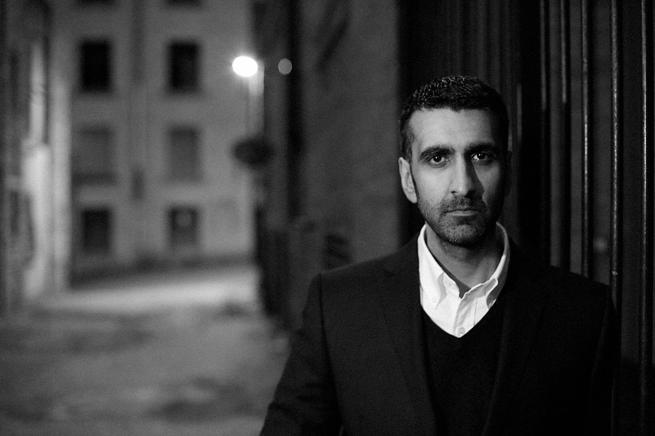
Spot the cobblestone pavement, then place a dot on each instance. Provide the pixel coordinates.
(183, 353)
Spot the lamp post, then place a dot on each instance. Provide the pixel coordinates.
(247, 68)
(253, 150)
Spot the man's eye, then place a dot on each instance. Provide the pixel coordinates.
(437, 158)
(483, 156)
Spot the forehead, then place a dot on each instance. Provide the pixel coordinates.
(447, 127)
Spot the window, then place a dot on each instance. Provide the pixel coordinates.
(96, 231)
(95, 2)
(184, 160)
(95, 66)
(183, 227)
(183, 2)
(93, 156)
(183, 66)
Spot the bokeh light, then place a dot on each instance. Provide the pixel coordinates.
(245, 66)
(284, 66)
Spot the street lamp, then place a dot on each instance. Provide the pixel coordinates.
(245, 66)
(253, 150)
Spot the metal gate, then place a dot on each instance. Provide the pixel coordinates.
(579, 79)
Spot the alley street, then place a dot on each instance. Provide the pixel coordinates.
(179, 353)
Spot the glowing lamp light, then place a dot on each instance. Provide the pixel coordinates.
(245, 66)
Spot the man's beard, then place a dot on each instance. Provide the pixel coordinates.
(462, 231)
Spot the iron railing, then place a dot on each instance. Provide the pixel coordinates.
(579, 77)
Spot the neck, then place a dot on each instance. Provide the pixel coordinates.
(468, 266)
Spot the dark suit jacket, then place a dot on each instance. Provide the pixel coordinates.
(357, 365)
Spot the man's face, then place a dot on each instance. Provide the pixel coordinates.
(457, 173)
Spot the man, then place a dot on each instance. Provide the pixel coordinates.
(458, 333)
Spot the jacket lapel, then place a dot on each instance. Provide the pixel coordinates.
(525, 295)
(400, 301)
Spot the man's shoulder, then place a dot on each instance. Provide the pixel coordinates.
(359, 270)
(575, 287)
(370, 273)
(557, 281)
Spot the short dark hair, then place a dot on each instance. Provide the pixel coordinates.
(456, 93)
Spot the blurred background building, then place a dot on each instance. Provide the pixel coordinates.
(119, 117)
(35, 207)
(155, 109)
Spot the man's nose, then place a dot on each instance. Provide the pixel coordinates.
(464, 180)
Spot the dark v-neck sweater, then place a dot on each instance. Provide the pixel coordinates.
(461, 372)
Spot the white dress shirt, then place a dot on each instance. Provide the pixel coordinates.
(440, 294)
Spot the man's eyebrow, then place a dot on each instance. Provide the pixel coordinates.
(483, 146)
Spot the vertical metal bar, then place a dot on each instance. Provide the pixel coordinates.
(5, 297)
(565, 136)
(494, 47)
(458, 34)
(544, 125)
(482, 35)
(488, 46)
(616, 175)
(586, 253)
(513, 48)
(452, 38)
(646, 306)
(505, 49)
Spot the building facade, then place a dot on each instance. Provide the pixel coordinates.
(118, 119)
(34, 191)
(155, 110)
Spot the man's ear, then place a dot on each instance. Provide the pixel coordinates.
(406, 179)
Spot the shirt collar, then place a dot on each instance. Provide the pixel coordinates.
(435, 283)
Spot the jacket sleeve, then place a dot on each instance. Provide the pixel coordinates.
(304, 402)
(599, 403)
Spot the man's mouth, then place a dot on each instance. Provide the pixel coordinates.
(463, 212)
(464, 207)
